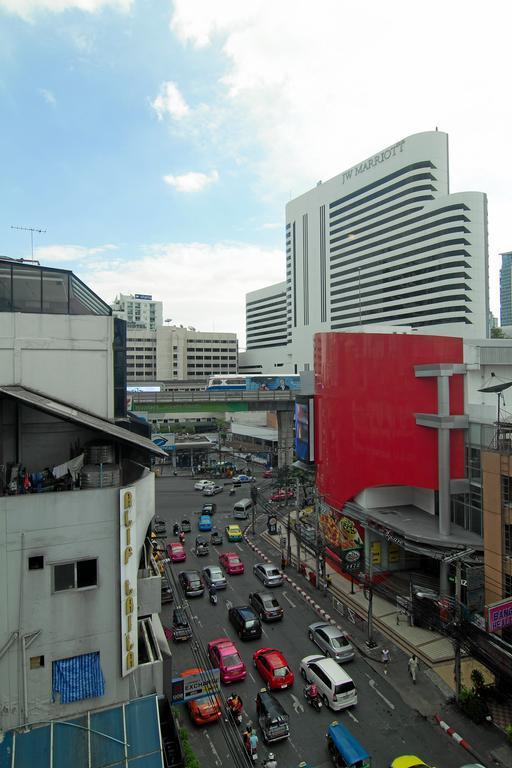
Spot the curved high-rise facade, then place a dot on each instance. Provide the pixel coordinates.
(385, 243)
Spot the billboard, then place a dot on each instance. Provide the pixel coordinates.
(499, 615)
(128, 570)
(304, 437)
(344, 538)
(272, 383)
(195, 686)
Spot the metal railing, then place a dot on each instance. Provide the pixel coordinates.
(205, 396)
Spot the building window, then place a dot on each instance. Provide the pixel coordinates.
(77, 678)
(506, 490)
(508, 586)
(36, 662)
(36, 562)
(82, 574)
(508, 539)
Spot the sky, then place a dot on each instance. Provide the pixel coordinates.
(157, 142)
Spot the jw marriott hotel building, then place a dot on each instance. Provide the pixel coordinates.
(384, 243)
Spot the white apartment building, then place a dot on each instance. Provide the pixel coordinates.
(175, 352)
(139, 310)
(382, 243)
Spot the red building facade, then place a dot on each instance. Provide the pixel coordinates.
(366, 398)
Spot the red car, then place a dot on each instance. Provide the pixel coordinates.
(268, 473)
(176, 552)
(273, 667)
(282, 495)
(203, 711)
(224, 656)
(231, 563)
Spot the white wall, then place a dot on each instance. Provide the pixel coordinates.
(397, 496)
(57, 354)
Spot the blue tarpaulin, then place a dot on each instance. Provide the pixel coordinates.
(77, 678)
(126, 736)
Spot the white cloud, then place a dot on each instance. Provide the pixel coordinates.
(28, 9)
(317, 88)
(170, 102)
(62, 254)
(192, 181)
(200, 284)
(48, 96)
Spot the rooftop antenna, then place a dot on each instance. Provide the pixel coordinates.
(31, 230)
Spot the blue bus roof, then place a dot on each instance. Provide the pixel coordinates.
(347, 745)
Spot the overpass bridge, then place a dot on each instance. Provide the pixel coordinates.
(283, 402)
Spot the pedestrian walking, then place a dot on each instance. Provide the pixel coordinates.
(413, 664)
(385, 658)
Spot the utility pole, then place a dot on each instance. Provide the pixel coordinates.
(31, 230)
(457, 557)
(368, 593)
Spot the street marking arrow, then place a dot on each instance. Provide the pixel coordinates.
(296, 704)
(354, 718)
(373, 685)
(285, 595)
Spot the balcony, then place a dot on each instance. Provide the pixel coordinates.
(148, 588)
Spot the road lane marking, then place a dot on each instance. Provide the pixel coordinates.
(373, 685)
(297, 704)
(224, 630)
(263, 632)
(285, 595)
(239, 547)
(354, 718)
(217, 759)
(250, 675)
(198, 620)
(229, 604)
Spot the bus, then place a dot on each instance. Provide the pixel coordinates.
(253, 382)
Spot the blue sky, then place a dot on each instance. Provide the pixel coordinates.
(157, 142)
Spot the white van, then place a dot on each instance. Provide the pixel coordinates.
(241, 509)
(336, 688)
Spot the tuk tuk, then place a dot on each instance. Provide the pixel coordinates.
(344, 749)
(272, 718)
(202, 548)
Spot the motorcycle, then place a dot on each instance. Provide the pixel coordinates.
(182, 537)
(270, 761)
(176, 529)
(231, 491)
(236, 714)
(213, 598)
(315, 701)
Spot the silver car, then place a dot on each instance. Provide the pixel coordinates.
(332, 641)
(268, 574)
(213, 575)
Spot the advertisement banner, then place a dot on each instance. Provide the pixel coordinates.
(195, 686)
(128, 580)
(345, 538)
(499, 615)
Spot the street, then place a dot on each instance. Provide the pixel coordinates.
(381, 721)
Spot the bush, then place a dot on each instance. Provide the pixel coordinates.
(473, 705)
(191, 760)
(508, 731)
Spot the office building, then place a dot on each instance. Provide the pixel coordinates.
(139, 310)
(175, 352)
(506, 289)
(383, 243)
(265, 327)
(80, 633)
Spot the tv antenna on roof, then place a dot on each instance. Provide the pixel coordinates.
(31, 230)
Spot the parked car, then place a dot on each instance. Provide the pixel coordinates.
(209, 508)
(245, 621)
(202, 484)
(166, 591)
(266, 606)
(213, 575)
(181, 629)
(176, 552)
(231, 563)
(273, 668)
(224, 656)
(160, 527)
(233, 533)
(268, 473)
(268, 574)
(243, 478)
(216, 537)
(282, 495)
(205, 523)
(191, 583)
(201, 548)
(212, 490)
(203, 711)
(331, 641)
(185, 525)
(272, 717)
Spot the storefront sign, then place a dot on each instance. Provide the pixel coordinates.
(393, 553)
(128, 580)
(195, 686)
(376, 553)
(344, 537)
(499, 615)
(391, 536)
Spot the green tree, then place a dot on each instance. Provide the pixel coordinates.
(498, 333)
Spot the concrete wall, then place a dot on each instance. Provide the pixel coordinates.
(62, 527)
(56, 354)
(397, 496)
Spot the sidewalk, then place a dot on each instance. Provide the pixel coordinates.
(433, 693)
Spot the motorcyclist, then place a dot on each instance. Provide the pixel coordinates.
(312, 691)
(270, 761)
(235, 704)
(176, 529)
(182, 537)
(212, 592)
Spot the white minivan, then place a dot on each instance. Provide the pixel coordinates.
(335, 687)
(241, 509)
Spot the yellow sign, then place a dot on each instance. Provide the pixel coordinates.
(128, 581)
(376, 553)
(393, 553)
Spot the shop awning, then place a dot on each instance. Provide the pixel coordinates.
(69, 413)
(120, 737)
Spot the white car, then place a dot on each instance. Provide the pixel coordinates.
(202, 484)
(212, 490)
